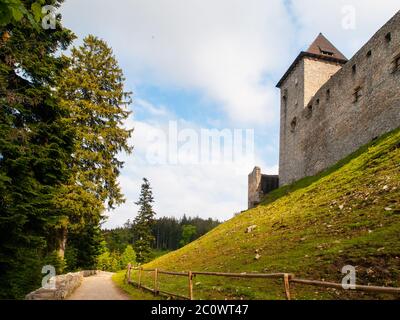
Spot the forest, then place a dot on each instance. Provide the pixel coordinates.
(63, 112)
(62, 127)
(169, 233)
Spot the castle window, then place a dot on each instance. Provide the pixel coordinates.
(326, 52)
(328, 95)
(396, 64)
(354, 69)
(293, 124)
(357, 94)
(309, 111)
(317, 102)
(388, 37)
(369, 54)
(285, 103)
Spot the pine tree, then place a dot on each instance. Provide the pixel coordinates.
(144, 222)
(92, 89)
(35, 148)
(83, 247)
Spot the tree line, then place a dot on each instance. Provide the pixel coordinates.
(169, 233)
(146, 238)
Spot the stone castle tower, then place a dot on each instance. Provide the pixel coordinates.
(331, 106)
(307, 74)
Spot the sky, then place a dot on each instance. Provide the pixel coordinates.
(198, 65)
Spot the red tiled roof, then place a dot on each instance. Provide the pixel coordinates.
(322, 46)
(321, 49)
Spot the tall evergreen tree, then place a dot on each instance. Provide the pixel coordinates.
(35, 147)
(144, 222)
(83, 247)
(92, 89)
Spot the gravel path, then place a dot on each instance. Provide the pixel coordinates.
(98, 287)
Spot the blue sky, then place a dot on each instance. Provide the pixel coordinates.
(211, 65)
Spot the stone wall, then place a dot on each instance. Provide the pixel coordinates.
(66, 284)
(292, 98)
(316, 74)
(259, 185)
(254, 185)
(358, 103)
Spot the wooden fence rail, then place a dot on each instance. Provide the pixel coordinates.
(287, 278)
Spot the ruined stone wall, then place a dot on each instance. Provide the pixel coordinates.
(357, 104)
(254, 185)
(259, 185)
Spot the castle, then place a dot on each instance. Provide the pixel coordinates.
(331, 106)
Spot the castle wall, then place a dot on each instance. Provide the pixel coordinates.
(292, 100)
(316, 74)
(298, 89)
(353, 107)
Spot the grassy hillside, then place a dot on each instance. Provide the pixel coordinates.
(348, 215)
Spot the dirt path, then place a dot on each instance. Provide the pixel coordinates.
(98, 287)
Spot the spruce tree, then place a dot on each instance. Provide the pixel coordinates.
(92, 89)
(35, 148)
(143, 223)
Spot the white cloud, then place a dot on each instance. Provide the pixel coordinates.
(328, 17)
(143, 105)
(221, 48)
(206, 190)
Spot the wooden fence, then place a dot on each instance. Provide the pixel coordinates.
(287, 279)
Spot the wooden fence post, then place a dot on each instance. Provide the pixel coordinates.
(140, 277)
(155, 281)
(286, 280)
(129, 273)
(190, 276)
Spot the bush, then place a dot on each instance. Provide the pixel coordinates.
(113, 261)
(129, 256)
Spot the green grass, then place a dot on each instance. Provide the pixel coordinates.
(133, 292)
(157, 254)
(347, 215)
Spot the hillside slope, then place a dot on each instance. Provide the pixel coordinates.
(348, 215)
